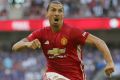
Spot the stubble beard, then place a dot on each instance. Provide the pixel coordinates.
(56, 28)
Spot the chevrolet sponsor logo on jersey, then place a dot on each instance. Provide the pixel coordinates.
(64, 41)
(56, 51)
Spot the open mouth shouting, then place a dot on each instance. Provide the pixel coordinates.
(56, 20)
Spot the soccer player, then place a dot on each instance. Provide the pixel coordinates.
(59, 43)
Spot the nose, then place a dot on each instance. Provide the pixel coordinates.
(56, 13)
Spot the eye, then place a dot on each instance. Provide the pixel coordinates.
(60, 10)
(53, 10)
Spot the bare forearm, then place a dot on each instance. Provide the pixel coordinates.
(24, 43)
(19, 45)
(101, 45)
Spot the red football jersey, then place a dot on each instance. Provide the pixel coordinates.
(60, 50)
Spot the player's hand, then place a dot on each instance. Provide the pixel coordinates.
(33, 44)
(109, 69)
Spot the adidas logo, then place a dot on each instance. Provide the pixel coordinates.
(46, 42)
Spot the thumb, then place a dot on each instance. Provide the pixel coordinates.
(37, 43)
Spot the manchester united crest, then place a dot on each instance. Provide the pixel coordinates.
(64, 41)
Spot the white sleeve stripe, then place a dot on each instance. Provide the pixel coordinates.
(84, 34)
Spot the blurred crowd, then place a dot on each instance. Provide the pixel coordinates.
(26, 65)
(36, 9)
(95, 63)
(30, 65)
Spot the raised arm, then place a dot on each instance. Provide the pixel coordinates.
(101, 45)
(24, 43)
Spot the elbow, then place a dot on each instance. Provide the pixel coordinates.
(14, 48)
(20, 44)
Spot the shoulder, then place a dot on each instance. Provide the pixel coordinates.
(72, 28)
(42, 29)
(45, 28)
(68, 27)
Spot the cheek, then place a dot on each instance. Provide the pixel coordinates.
(50, 14)
(50, 19)
(62, 16)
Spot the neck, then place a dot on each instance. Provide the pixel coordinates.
(56, 28)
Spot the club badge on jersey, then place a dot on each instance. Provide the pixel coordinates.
(59, 52)
(64, 41)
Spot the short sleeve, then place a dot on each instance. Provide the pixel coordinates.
(34, 35)
(80, 36)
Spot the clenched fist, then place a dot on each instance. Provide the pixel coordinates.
(109, 69)
(33, 44)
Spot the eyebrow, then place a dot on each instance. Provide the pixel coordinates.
(55, 8)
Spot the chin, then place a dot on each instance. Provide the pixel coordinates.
(56, 24)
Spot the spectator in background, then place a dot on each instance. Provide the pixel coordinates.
(3, 15)
(35, 9)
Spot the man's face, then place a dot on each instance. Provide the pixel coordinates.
(55, 14)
